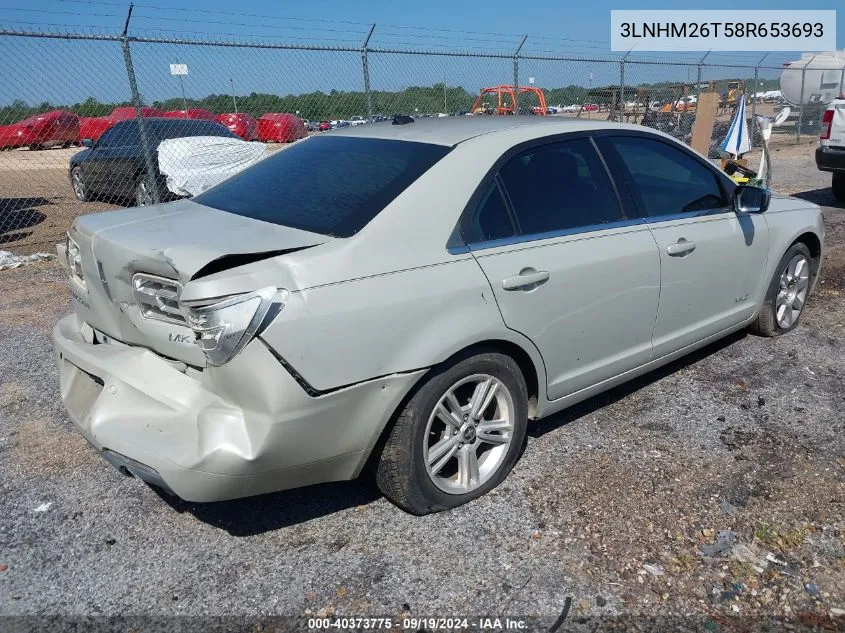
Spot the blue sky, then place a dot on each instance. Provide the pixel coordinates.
(38, 70)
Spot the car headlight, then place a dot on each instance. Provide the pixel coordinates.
(223, 329)
(74, 261)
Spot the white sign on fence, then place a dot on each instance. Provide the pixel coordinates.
(178, 69)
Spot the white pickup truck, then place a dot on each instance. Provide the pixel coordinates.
(830, 155)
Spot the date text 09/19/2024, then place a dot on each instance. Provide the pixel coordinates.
(418, 623)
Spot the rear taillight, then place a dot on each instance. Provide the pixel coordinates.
(827, 122)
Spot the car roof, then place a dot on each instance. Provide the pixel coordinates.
(452, 130)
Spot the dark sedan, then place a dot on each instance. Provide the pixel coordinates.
(114, 166)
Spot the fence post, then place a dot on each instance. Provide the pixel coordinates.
(801, 107)
(622, 87)
(753, 101)
(516, 76)
(365, 62)
(149, 162)
(841, 84)
(698, 78)
(754, 108)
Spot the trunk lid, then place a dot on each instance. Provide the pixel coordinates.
(179, 241)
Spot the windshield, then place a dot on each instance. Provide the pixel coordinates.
(328, 185)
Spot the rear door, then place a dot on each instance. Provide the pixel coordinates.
(712, 260)
(568, 267)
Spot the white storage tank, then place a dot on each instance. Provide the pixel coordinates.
(823, 74)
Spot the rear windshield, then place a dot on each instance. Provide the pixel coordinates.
(328, 185)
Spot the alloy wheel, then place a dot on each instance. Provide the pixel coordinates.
(143, 197)
(78, 184)
(468, 434)
(792, 291)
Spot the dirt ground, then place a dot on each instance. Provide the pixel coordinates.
(706, 496)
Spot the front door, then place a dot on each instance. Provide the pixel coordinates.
(567, 267)
(712, 260)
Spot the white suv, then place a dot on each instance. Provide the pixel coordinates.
(830, 155)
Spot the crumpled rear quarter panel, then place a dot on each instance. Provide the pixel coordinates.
(343, 333)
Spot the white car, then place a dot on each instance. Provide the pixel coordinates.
(357, 120)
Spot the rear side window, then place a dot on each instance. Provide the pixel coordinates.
(491, 219)
(668, 180)
(328, 185)
(164, 129)
(560, 186)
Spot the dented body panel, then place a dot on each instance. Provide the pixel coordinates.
(224, 432)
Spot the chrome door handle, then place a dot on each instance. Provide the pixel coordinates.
(526, 277)
(681, 248)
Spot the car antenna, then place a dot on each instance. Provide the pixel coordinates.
(402, 119)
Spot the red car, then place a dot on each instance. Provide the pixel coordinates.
(92, 127)
(190, 113)
(591, 107)
(239, 123)
(279, 127)
(324, 126)
(57, 127)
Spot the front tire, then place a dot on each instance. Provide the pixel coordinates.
(143, 193)
(458, 436)
(787, 293)
(838, 185)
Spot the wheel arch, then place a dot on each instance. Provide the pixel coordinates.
(529, 362)
(814, 243)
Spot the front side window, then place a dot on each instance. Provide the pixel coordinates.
(669, 181)
(328, 185)
(560, 186)
(120, 135)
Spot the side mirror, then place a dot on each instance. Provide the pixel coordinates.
(87, 142)
(748, 199)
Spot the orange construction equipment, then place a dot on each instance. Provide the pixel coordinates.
(508, 107)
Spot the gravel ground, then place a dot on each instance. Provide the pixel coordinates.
(711, 493)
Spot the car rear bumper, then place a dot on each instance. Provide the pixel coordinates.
(830, 159)
(208, 435)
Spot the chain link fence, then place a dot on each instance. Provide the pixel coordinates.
(90, 121)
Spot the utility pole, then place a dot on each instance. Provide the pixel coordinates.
(234, 101)
(445, 107)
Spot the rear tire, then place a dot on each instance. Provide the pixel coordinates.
(77, 181)
(787, 293)
(458, 436)
(838, 185)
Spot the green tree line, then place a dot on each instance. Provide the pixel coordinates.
(342, 105)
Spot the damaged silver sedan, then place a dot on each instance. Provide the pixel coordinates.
(410, 296)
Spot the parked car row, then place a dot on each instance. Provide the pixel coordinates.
(60, 127)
